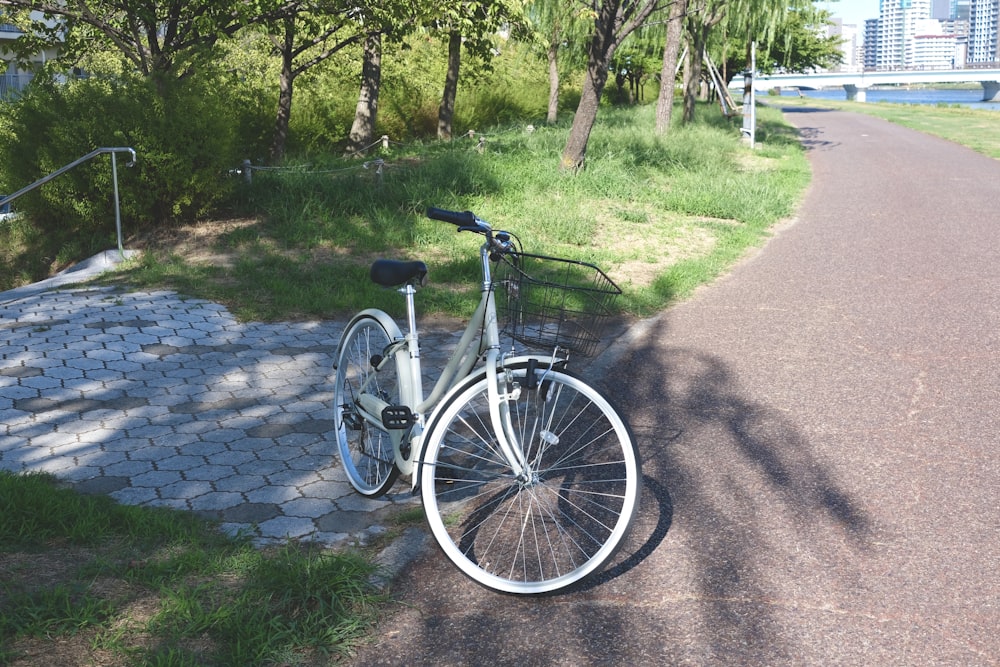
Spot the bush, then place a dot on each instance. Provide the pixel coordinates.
(182, 131)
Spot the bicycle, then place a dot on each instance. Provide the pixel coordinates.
(529, 478)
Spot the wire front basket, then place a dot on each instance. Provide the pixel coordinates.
(546, 302)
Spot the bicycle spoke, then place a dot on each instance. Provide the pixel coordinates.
(559, 520)
(365, 447)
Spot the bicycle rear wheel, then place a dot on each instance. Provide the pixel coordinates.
(561, 520)
(366, 449)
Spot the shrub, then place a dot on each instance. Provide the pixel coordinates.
(182, 131)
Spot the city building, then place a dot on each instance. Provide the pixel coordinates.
(984, 33)
(13, 78)
(898, 25)
(850, 45)
(932, 34)
(870, 45)
(932, 51)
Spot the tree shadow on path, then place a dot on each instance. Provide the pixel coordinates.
(756, 510)
(740, 518)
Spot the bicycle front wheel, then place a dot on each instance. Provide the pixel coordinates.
(564, 516)
(366, 448)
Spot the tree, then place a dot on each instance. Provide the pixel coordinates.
(743, 21)
(447, 109)
(305, 34)
(555, 24)
(471, 24)
(634, 60)
(159, 38)
(166, 39)
(363, 128)
(614, 20)
(702, 17)
(801, 44)
(668, 73)
(385, 20)
(752, 21)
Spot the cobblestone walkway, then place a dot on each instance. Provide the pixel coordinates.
(158, 400)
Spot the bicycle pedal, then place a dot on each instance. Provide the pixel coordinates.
(397, 417)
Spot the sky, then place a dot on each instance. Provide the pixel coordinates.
(853, 11)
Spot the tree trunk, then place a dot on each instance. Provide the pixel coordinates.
(553, 114)
(692, 84)
(363, 129)
(286, 80)
(599, 54)
(668, 75)
(447, 109)
(586, 115)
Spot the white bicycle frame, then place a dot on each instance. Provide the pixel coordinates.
(405, 352)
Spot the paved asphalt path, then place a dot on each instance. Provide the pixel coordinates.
(819, 432)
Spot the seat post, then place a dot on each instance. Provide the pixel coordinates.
(409, 291)
(413, 388)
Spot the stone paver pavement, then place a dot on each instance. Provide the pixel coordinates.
(155, 399)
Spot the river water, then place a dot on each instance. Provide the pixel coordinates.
(931, 96)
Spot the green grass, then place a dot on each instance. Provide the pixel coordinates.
(978, 129)
(138, 586)
(660, 215)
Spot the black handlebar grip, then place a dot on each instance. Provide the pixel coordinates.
(460, 218)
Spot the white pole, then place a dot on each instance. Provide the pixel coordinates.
(753, 95)
(749, 129)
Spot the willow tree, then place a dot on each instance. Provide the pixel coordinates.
(614, 20)
(703, 16)
(801, 43)
(734, 25)
(636, 60)
(558, 26)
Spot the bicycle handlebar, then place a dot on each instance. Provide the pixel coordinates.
(459, 218)
(467, 221)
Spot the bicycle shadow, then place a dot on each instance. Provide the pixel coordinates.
(650, 528)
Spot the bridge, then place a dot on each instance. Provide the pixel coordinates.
(855, 83)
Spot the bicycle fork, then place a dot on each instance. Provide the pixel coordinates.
(514, 446)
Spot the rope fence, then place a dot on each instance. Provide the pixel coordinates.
(377, 166)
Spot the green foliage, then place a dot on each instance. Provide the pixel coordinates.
(412, 78)
(802, 44)
(182, 131)
(247, 85)
(642, 203)
(169, 39)
(790, 36)
(213, 600)
(38, 512)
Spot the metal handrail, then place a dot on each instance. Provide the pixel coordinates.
(74, 163)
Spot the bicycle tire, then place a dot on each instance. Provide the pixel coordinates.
(553, 529)
(366, 449)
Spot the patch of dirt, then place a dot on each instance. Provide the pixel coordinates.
(135, 606)
(27, 573)
(654, 241)
(200, 242)
(36, 571)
